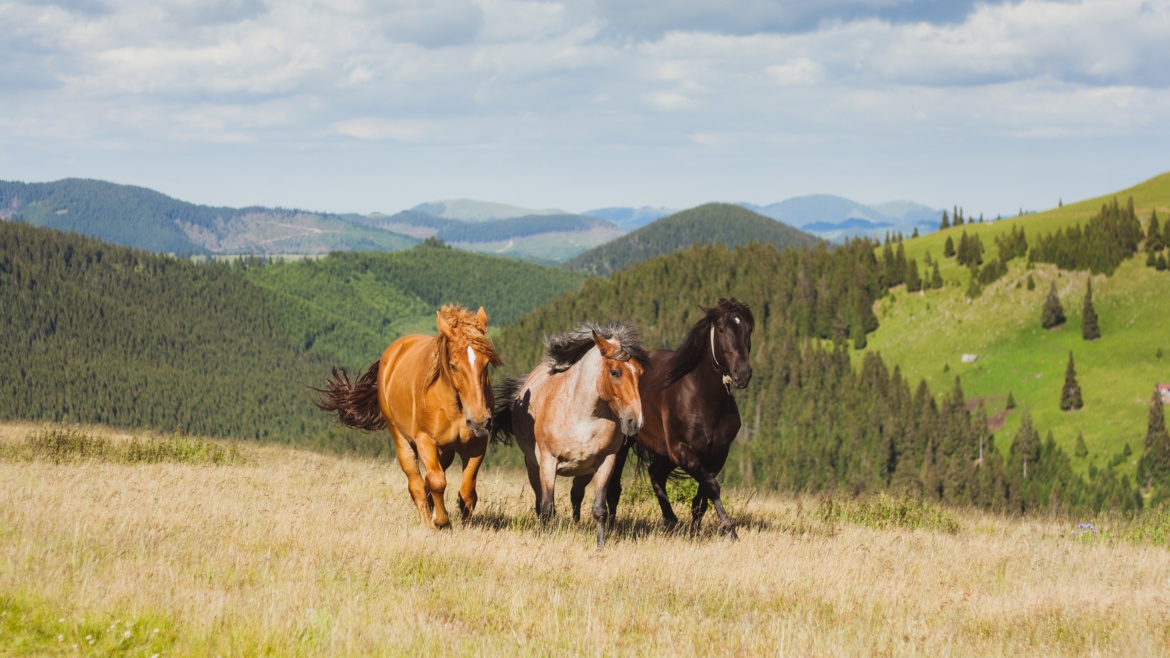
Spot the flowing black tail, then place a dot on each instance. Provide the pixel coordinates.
(355, 403)
(502, 418)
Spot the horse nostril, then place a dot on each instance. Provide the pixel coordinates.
(487, 424)
(469, 423)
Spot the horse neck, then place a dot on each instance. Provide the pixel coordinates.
(580, 384)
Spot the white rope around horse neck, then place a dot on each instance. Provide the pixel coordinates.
(719, 368)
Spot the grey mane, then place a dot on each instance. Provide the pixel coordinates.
(563, 350)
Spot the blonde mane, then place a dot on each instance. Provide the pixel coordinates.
(468, 332)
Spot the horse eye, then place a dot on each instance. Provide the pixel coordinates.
(616, 373)
(452, 366)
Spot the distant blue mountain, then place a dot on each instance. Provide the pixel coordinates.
(837, 218)
(630, 218)
(853, 223)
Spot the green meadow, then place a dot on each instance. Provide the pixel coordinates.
(927, 333)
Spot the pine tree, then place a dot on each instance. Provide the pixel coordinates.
(936, 281)
(1081, 450)
(1070, 394)
(946, 222)
(1031, 283)
(1053, 313)
(1154, 467)
(913, 279)
(949, 248)
(1011, 402)
(1090, 330)
(1154, 234)
(915, 233)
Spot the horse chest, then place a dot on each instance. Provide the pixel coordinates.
(581, 446)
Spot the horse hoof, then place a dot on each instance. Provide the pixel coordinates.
(731, 532)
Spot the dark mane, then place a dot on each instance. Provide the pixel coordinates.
(563, 350)
(697, 343)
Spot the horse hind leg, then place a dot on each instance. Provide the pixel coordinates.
(698, 510)
(659, 471)
(613, 492)
(577, 494)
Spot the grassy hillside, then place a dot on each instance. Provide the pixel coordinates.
(926, 334)
(354, 304)
(295, 554)
(706, 224)
(144, 219)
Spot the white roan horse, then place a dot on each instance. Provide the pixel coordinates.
(571, 413)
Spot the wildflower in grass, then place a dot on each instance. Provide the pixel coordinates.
(126, 634)
(1084, 529)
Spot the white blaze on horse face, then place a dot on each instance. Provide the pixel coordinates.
(471, 357)
(737, 319)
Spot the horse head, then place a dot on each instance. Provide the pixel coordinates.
(617, 385)
(467, 357)
(731, 340)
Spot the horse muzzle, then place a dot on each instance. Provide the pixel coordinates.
(741, 378)
(480, 429)
(631, 426)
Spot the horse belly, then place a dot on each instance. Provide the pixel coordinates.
(583, 466)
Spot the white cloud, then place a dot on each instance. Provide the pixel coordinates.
(544, 82)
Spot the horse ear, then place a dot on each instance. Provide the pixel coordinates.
(444, 327)
(604, 345)
(481, 315)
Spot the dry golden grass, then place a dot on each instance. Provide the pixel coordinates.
(297, 553)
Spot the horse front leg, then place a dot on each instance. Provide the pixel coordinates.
(600, 485)
(659, 472)
(471, 454)
(548, 484)
(436, 476)
(414, 479)
(708, 486)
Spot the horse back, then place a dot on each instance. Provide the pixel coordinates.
(406, 402)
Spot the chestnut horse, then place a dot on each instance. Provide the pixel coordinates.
(691, 416)
(435, 396)
(571, 413)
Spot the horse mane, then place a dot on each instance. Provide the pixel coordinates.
(697, 343)
(564, 349)
(466, 327)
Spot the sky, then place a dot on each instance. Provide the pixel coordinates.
(379, 105)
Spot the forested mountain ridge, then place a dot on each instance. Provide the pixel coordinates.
(99, 333)
(710, 223)
(354, 304)
(814, 421)
(145, 219)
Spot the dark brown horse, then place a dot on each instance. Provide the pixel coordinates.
(690, 416)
